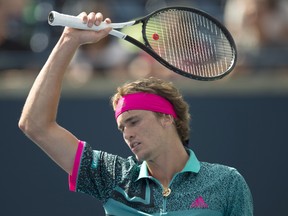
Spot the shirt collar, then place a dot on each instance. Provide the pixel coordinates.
(192, 165)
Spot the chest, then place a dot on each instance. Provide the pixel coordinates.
(186, 194)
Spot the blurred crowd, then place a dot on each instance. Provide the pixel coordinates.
(259, 27)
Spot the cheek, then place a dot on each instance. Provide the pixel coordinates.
(143, 132)
(151, 132)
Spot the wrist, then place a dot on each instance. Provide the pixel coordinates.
(69, 39)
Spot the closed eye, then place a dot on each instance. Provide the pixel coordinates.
(129, 122)
(133, 123)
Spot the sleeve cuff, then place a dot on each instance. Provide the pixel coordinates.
(77, 161)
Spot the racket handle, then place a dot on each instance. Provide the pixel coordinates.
(59, 19)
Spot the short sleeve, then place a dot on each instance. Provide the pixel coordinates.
(93, 172)
(240, 201)
(73, 177)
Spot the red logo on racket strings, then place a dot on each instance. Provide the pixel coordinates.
(155, 36)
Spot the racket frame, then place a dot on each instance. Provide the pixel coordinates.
(150, 51)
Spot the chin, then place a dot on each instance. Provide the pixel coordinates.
(139, 157)
(142, 157)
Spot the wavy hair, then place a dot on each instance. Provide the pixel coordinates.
(166, 90)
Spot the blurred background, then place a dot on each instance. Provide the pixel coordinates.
(239, 121)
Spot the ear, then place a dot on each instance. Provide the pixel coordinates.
(167, 120)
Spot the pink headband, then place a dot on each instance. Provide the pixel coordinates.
(144, 101)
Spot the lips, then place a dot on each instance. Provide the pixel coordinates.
(134, 145)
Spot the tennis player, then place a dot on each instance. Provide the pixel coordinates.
(164, 178)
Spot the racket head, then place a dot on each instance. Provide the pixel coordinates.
(190, 42)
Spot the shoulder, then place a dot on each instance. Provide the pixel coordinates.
(116, 164)
(102, 161)
(215, 168)
(105, 157)
(227, 179)
(127, 164)
(221, 173)
(229, 185)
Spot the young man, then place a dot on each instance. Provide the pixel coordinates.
(165, 176)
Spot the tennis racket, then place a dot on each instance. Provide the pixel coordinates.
(188, 41)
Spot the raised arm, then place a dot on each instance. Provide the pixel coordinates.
(38, 119)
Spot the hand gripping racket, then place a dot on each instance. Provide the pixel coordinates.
(188, 41)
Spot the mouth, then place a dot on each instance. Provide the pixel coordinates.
(134, 145)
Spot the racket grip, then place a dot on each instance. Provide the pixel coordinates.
(59, 19)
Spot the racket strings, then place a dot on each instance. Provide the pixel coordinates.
(190, 42)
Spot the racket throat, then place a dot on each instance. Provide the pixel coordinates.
(117, 34)
(148, 50)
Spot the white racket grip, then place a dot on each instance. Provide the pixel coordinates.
(59, 19)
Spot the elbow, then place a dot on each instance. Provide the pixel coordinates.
(24, 126)
(34, 128)
(28, 127)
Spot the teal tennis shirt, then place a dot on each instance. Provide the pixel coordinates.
(125, 188)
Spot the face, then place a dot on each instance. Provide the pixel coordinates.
(143, 132)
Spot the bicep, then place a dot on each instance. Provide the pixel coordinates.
(60, 145)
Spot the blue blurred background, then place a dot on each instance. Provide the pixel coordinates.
(239, 121)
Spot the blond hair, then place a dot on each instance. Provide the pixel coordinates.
(166, 90)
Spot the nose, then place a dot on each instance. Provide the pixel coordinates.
(128, 134)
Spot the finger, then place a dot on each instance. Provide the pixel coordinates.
(84, 17)
(91, 19)
(107, 20)
(99, 18)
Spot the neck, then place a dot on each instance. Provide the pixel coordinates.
(168, 164)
